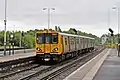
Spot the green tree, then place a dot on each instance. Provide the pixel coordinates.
(1, 38)
(29, 41)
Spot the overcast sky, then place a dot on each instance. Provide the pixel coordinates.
(89, 16)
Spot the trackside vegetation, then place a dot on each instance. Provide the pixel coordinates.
(28, 37)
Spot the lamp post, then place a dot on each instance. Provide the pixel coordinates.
(117, 8)
(49, 9)
(5, 20)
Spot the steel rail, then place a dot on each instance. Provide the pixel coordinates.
(69, 63)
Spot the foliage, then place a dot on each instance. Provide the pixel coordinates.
(111, 40)
(57, 28)
(28, 40)
(73, 31)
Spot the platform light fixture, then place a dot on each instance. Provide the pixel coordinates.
(49, 9)
(5, 21)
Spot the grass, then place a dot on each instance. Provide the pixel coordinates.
(111, 45)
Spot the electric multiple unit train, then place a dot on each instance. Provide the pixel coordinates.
(52, 45)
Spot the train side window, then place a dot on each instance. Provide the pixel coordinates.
(91, 42)
(77, 40)
(65, 41)
(72, 41)
(83, 40)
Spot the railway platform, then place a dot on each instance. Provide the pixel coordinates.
(16, 56)
(105, 66)
(16, 52)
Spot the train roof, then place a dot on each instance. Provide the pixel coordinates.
(74, 35)
(51, 31)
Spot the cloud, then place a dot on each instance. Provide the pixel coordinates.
(89, 15)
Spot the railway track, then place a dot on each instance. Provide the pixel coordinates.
(10, 73)
(17, 75)
(12, 67)
(57, 69)
(9, 65)
(26, 71)
(56, 75)
(43, 72)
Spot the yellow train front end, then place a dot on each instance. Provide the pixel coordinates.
(48, 45)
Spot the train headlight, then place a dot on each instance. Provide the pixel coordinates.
(55, 49)
(39, 49)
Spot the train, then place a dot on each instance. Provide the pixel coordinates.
(57, 46)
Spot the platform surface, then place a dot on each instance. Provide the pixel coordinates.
(16, 52)
(16, 56)
(110, 69)
(105, 66)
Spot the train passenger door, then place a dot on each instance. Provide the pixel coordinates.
(47, 41)
(66, 44)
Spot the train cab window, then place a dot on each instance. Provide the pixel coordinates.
(54, 38)
(40, 38)
(47, 38)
